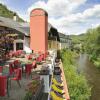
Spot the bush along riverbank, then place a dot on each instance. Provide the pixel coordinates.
(91, 45)
(77, 84)
(95, 59)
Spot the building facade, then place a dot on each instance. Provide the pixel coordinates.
(21, 34)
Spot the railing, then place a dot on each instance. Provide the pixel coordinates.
(38, 94)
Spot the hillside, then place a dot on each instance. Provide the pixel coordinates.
(76, 39)
(5, 12)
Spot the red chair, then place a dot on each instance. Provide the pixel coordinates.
(30, 57)
(3, 85)
(1, 69)
(18, 76)
(16, 54)
(34, 65)
(19, 52)
(16, 63)
(13, 54)
(42, 57)
(28, 68)
(39, 59)
(11, 69)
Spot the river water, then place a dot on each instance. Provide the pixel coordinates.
(92, 75)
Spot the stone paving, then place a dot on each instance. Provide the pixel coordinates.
(15, 92)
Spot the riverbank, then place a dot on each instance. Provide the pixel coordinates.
(77, 84)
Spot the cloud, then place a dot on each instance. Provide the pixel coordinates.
(61, 13)
(57, 8)
(2, 1)
(64, 16)
(76, 23)
(81, 17)
(95, 11)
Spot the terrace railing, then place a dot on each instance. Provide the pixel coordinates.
(39, 93)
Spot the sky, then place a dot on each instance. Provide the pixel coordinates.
(68, 16)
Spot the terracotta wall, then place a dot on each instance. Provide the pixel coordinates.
(39, 30)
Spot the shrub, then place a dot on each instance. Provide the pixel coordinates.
(97, 62)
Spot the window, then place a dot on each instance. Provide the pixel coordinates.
(19, 46)
(11, 46)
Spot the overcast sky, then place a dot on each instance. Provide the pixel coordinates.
(68, 16)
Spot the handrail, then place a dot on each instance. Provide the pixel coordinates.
(39, 91)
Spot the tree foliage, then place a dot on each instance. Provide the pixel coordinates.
(5, 12)
(92, 42)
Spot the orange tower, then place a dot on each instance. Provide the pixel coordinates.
(39, 30)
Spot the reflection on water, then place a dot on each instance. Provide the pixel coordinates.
(91, 73)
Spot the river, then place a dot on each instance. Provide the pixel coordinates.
(92, 75)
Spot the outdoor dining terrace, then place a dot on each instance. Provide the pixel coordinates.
(36, 76)
(20, 74)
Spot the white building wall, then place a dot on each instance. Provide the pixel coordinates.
(27, 45)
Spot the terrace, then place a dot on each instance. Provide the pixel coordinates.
(36, 84)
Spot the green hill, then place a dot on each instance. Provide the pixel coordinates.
(5, 12)
(77, 39)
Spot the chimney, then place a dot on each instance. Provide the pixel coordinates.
(15, 18)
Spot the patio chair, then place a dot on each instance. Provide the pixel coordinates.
(16, 54)
(42, 57)
(34, 65)
(28, 68)
(11, 69)
(18, 76)
(20, 52)
(55, 88)
(30, 57)
(11, 54)
(54, 96)
(3, 85)
(1, 69)
(45, 55)
(39, 59)
(16, 64)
